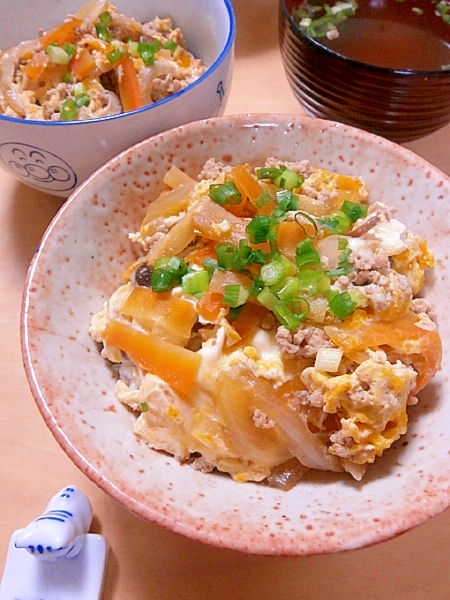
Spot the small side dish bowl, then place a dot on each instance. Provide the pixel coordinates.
(387, 72)
(56, 156)
(80, 262)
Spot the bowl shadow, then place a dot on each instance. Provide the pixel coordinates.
(255, 33)
(31, 213)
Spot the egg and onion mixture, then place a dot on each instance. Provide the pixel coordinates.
(272, 324)
(97, 62)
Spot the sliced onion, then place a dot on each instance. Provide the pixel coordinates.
(8, 63)
(329, 248)
(235, 402)
(303, 444)
(328, 359)
(92, 9)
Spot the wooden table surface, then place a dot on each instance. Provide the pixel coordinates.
(145, 561)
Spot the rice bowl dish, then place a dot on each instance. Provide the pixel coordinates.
(81, 262)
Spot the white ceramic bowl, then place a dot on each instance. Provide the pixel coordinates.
(57, 156)
(80, 262)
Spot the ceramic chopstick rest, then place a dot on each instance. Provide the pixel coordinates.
(55, 556)
(61, 529)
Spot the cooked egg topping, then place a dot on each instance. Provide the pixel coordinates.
(272, 324)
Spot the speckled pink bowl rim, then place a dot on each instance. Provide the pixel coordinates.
(79, 263)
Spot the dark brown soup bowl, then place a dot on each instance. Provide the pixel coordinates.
(394, 101)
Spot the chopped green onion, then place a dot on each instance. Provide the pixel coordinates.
(67, 77)
(267, 299)
(161, 280)
(285, 316)
(288, 265)
(57, 55)
(259, 257)
(144, 406)
(148, 50)
(289, 179)
(359, 297)
(70, 49)
(286, 200)
(308, 218)
(103, 32)
(354, 210)
(225, 193)
(133, 48)
(341, 304)
(269, 173)
(306, 254)
(69, 110)
(299, 306)
(167, 273)
(273, 241)
(333, 16)
(105, 17)
(263, 200)
(79, 89)
(115, 55)
(291, 286)
(260, 228)
(243, 257)
(195, 283)
(257, 287)
(336, 223)
(210, 264)
(345, 270)
(313, 281)
(344, 266)
(81, 98)
(170, 45)
(273, 272)
(225, 255)
(235, 295)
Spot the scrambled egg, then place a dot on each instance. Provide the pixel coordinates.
(265, 366)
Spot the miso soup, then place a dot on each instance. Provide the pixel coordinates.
(404, 35)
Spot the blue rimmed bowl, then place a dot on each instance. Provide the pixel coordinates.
(57, 156)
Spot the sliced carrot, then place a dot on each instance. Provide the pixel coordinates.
(62, 34)
(81, 64)
(176, 365)
(198, 257)
(210, 305)
(166, 316)
(246, 182)
(290, 234)
(36, 66)
(220, 279)
(129, 88)
(362, 331)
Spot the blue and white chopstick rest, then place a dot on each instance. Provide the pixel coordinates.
(54, 557)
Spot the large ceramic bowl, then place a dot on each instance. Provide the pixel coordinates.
(80, 263)
(401, 101)
(56, 156)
